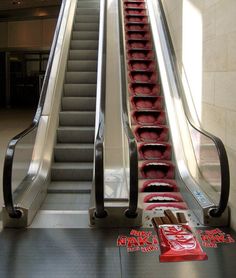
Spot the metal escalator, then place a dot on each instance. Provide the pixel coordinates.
(61, 183)
(162, 143)
(180, 166)
(72, 169)
(58, 176)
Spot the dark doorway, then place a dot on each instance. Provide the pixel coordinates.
(2, 79)
(25, 74)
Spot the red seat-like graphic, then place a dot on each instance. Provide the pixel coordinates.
(134, 19)
(148, 117)
(138, 35)
(141, 65)
(157, 170)
(135, 11)
(143, 103)
(134, 44)
(136, 27)
(134, 5)
(143, 77)
(155, 151)
(144, 89)
(140, 54)
(151, 133)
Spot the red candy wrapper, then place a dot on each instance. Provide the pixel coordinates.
(178, 243)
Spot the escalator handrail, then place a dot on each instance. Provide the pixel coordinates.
(100, 115)
(12, 210)
(133, 152)
(224, 164)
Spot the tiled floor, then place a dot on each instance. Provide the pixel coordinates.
(90, 253)
(12, 121)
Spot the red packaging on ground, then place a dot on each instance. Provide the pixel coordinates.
(178, 244)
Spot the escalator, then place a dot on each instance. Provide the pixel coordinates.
(180, 166)
(69, 144)
(148, 116)
(61, 180)
(72, 169)
(163, 166)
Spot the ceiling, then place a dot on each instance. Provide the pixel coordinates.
(23, 4)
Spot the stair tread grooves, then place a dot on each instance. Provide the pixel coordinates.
(77, 112)
(84, 50)
(79, 72)
(74, 145)
(54, 183)
(85, 31)
(84, 41)
(79, 97)
(81, 62)
(77, 127)
(77, 84)
(72, 165)
(87, 61)
(74, 85)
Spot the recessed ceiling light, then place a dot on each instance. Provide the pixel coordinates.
(17, 2)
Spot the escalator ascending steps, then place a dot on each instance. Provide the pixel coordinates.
(72, 170)
(157, 182)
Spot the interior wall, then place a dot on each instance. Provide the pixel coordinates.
(215, 20)
(27, 34)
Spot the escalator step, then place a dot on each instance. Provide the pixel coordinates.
(73, 153)
(87, 11)
(154, 151)
(66, 202)
(72, 134)
(146, 103)
(85, 35)
(83, 55)
(148, 117)
(75, 77)
(82, 66)
(84, 44)
(157, 185)
(69, 187)
(156, 169)
(86, 18)
(80, 90)
(77, 118)
(72, 171)
(86, 27)
(151, 134)
(78, 103)
(88, 4)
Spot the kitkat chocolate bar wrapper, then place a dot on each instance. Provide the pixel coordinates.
(177, 242)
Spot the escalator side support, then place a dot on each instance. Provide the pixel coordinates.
(204, 206)
(34, 185)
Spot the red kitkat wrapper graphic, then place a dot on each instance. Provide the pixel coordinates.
(178, 243)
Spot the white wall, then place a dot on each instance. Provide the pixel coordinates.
(27, 34)
(213, 25)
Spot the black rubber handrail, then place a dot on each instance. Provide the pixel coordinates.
(100, 115)
(224, 164)
(133, 151)
(12, 210)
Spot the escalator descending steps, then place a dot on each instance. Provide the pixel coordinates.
(72, 169)
(157, 182)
